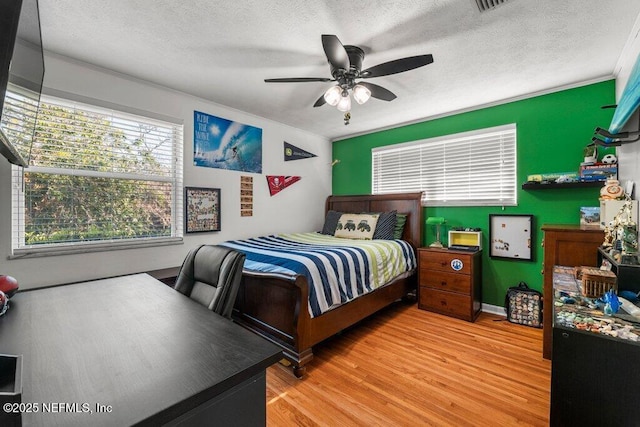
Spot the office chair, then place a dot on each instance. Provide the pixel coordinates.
(211, 276)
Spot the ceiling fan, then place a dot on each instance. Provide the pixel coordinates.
(345, 62)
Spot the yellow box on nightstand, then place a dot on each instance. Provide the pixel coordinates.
(465, 238)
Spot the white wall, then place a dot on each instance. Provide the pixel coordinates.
(299, 207)
(629, 154)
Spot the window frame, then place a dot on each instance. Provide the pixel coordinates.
(411, 168)
(22, 250)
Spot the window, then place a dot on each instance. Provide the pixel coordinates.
(475, 168)
(97, 178)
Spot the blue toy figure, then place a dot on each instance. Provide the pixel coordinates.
(612, 303)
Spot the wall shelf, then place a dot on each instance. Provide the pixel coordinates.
(581, 184)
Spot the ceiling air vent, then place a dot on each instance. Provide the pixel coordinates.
(485, 5)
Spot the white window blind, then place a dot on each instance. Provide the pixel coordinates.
(97, 178)
(475, 168)
(18, 118)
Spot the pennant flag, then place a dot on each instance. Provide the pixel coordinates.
(280, 182)
(291, 152)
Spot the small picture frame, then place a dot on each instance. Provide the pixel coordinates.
(590, 217)
(202, 209)
(511, 237)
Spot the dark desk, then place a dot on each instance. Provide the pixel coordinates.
(138, 347)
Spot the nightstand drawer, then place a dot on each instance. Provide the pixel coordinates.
(451, 282)
(452, 262)
(449, 303)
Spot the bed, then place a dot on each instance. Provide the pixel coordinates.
(276, 305)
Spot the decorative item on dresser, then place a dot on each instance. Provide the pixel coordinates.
(450, 282)
(567, 245)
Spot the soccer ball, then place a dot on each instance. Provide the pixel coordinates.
(609, 159)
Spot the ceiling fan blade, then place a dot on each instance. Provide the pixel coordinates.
(379, 92)
(397, 66)
(320, 102)
(335, 51)
(298, 80)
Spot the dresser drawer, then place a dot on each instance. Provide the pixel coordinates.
(449, 303)
(452, 282)
(452, 262)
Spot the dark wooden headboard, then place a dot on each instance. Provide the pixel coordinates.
(404, 203)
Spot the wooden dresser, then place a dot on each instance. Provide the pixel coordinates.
(450, 282)
(567, 245)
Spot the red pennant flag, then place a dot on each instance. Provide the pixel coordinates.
(278, 183)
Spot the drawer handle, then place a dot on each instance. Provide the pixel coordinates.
(443, 264)
(565, 335)
(443, 302)
(443, 283)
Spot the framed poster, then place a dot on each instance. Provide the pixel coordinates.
(225, 144)
(202, 209)
(510, 236)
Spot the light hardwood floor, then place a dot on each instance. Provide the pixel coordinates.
(408, 367)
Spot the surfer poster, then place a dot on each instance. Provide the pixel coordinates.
(224, 144)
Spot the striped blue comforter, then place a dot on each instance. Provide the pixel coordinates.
(337, 270)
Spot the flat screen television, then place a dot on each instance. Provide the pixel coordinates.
(21, 75)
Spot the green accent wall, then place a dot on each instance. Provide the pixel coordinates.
(552, 131)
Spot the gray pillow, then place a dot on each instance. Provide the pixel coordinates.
(386, 226)
(331, 222)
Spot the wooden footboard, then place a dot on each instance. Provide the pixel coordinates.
(271, 306)
(276, 306)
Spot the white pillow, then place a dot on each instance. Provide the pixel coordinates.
(357, 226)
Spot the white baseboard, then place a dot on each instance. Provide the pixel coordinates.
(494, 309)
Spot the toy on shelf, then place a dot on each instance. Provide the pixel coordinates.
(590, 154)
(612, 190)
(621, 234)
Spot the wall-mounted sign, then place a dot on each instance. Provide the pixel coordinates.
(246, 196)
(280, 182)
(291, 152)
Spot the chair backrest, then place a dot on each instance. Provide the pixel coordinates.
(211, 276)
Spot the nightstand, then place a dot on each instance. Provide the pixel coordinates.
(450, 282)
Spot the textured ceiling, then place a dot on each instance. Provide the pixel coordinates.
(223, 50)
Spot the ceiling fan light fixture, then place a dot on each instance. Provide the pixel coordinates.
(345, 64)
(361, 94)
(344, 104)
(333, 95)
